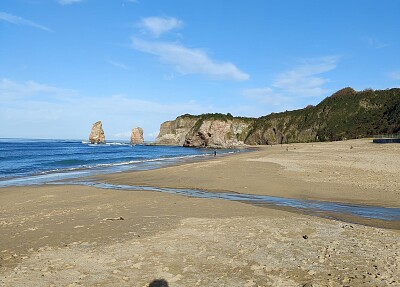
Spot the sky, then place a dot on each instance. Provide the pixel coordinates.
(65, 64)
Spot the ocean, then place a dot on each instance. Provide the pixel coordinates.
(32, 161)
(28, 162)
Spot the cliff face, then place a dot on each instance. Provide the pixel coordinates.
(137, 136)
(346, 114)
(210, 130)
(97, 134)
(217, 133)
(174, 132)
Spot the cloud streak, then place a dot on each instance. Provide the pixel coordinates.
(118, 103)
(190, 61)
(266, 96)
(21, 21)
(68, 2)
(28, 106)
(157, 26)
(118, 65)
(305, 80)
(375, 43)
(10, 90)
(394, 76)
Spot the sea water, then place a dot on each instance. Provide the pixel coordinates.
(27, 161)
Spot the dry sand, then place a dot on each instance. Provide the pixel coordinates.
(75, 236)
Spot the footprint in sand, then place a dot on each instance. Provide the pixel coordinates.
(175, 278)
(32, 229)
(137, 265)
(250, 283)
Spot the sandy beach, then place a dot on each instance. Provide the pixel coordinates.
(64, 235)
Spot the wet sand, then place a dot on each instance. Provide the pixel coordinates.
(355, 171)
(82, 236)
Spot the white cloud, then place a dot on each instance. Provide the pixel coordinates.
(21, 21)
(394, 76)
(118, 103)
(118, 65)
(38, 110)
(190, 61)
(129, 2)
(289, 87)
(375, 43)
(10, 90)
(266, 96)
(306, 80)
(68, 2)
(157, 26)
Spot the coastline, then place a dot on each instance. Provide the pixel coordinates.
(63, 235)
(354, 171)
(83, 159)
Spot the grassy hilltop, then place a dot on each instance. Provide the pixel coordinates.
(347, 114)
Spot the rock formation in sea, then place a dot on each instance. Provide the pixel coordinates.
(347, 114)
(97, 134)
(137, 136)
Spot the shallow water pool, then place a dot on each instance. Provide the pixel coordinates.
(312, 207)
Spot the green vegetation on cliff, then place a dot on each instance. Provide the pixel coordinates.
(216, 116)
(353, 114)
(347, 114)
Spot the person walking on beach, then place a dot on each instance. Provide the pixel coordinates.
(215, 153)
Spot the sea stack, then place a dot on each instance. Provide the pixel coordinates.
(137, 136)
(97, 134)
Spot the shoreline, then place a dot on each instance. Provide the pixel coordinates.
(63, 235)
(285, 171)
(76, 172)
(375, 216)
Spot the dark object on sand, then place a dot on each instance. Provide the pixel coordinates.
(159, 283)
(305, 236)
(391, 138)
(215, 153)
(386, 140)
(115, 218)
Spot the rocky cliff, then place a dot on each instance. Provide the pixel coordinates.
(208, 130)
(174, 132)
(346, 114)
(97, 134)
(137, 136)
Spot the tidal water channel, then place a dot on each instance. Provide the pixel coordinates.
(354, 213)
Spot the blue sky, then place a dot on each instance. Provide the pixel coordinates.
(65, 64)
